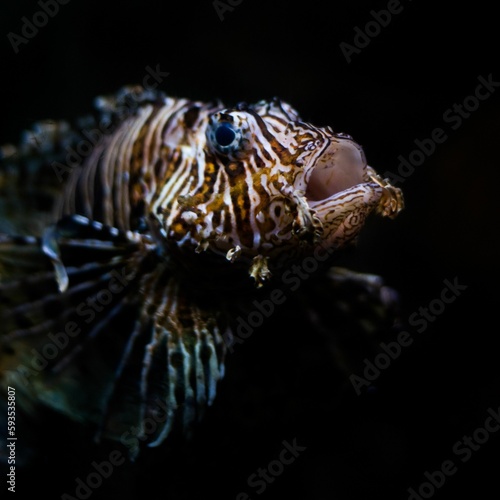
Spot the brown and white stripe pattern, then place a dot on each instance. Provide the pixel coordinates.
(160, 165)
(180, 186)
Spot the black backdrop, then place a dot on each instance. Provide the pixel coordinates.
(394, 91)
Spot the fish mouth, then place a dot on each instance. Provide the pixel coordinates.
(340, 167)
(342, 190)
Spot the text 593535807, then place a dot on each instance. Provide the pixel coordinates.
(11, 438)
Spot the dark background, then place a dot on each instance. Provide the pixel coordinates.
(278, 384)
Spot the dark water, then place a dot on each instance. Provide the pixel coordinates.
(407, 92)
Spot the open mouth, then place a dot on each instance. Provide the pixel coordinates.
(340, 167)
(340, 181)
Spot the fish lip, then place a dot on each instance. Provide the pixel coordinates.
(342, 215)
(369, 187)
(340, 166)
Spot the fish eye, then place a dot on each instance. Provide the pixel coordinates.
(225, 134)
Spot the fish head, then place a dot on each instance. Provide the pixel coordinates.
(278, 188)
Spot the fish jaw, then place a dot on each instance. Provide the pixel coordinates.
(341, 190)
(343, 214)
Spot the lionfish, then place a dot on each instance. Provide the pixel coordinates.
(120, 286)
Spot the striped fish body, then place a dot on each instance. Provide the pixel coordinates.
(162, 232)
